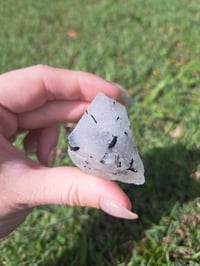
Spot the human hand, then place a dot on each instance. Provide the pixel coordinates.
(36, 99)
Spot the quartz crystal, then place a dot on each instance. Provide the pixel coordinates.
(101, 144)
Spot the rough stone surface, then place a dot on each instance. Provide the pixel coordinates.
(101, 144)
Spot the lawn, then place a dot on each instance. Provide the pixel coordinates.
(152, 48)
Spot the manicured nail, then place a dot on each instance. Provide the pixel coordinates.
(51, 157)
(116, 209)
(125, 97)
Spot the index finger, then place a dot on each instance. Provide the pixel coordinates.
(29, 88)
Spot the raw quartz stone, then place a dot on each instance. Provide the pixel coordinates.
(101, 144)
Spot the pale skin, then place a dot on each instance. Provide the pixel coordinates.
(36, 100)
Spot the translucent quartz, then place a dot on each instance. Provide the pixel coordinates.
(101, 144)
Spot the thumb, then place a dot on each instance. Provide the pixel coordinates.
(70, 186)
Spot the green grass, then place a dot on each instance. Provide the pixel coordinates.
(152, 49)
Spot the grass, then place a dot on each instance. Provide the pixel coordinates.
(152, 49)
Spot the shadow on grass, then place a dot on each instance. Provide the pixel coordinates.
(105, 240)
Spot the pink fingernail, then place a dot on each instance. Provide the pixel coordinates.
(115, 209)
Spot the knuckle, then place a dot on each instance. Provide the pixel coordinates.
(72, 198)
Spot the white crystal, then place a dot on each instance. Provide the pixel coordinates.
(101, 144)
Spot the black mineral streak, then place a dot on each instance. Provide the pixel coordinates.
(93, 118)
(75, 148)
(102, 161)
(119, 164)
(104, 158)
(113, 142)
(131, 168)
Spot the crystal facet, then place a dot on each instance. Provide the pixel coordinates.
(101, 144)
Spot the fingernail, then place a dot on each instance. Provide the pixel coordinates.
(125, 97)
(51, 157)
(116, 209)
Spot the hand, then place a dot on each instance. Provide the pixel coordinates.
(36, 99)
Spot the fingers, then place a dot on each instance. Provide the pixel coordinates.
(46, 144)
(31, 139)
(29, 88)
(70, 186)
(26, 184)
(8, 123)
(43, 142)
(9, 221)
(52, 113)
